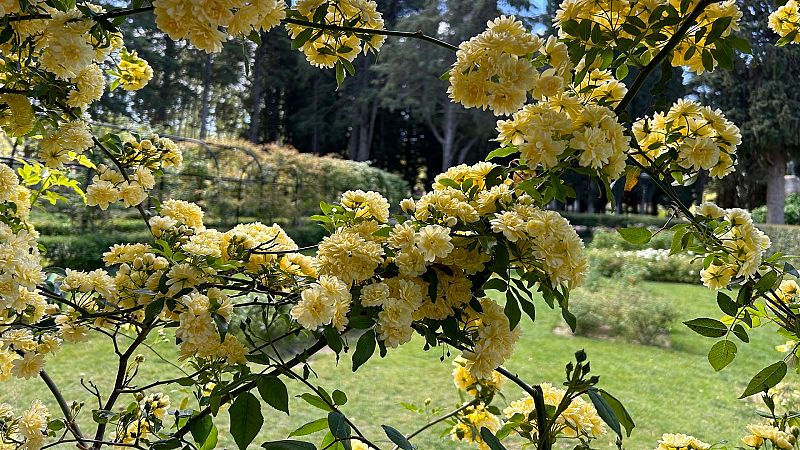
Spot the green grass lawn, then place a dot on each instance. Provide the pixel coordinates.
(666, 390)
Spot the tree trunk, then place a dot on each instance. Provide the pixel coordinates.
(167, 89)
(776, 194)
(257, 90)
(206, 96)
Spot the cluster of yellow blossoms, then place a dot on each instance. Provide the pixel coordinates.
(615, 20)
(139, 422)
(62, 44)
(759, 434)
(27, 431)
(134, 72)
(740, 249)
(420, 268)
(470, 422)
(786, 21)
(472, 385)
(499, 68)
(698, 137)
(681, 442)
(579, 419)
(139, 159)
(65, 144)
(21, 354)
(200, 21)
(563, 130)
(19, 118)
(324, 48)
(181, 280)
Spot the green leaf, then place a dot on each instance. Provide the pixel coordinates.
(636, 235)
(620, 412)
(727, 305)
(497, 284)
(622, 72)
(364, 349)
(721, 354)
(397, 437)
(274, 392)
(315, 401)
(491, 440)
(339, 74)
(741, 333)
(246, 419)
(512, 311)
(767, 281)
(767, 378)
(605, 411)
(529, 308)
(288, 445)
(301, 38)
(339, 398)
(339, 427)
(707, 327)
(204, 433)
(501, 152)
(311, 427)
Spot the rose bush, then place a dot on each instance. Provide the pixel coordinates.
(425, 271)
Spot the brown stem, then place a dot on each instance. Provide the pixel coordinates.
(119, 383)
(65, 409)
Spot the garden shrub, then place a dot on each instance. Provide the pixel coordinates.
(621, 308)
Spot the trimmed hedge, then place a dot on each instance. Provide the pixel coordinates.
(654, 264)
(85, 252)
(613, 220)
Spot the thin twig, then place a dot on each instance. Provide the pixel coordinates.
(65, 409)
(410, 34)
(440, 419)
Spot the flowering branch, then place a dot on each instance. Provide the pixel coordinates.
(665, 51)
(466, 405)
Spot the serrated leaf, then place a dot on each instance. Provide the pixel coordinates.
(397, 437)
(765, 379)
(246, 419)
(721, 354)
(311, 427)
(274, 392)
(636, 235)
(364, 349)
(707, 327)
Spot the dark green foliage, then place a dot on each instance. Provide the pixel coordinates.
(791, 211)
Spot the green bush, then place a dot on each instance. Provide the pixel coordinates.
(785, 238)
(621, 309)
(657, 266)
(85, 251)
(611, 239)
(791, 211)
(613, 220)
